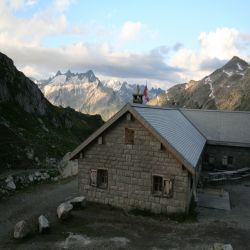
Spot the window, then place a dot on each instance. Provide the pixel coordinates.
(100, 140)
(211, 159)
(128, 117)
(99, 178)
(129, 136)
(191, 181)
(157, 184)
(206, 158)
(162, 187)
(224, 160)
(230, 160)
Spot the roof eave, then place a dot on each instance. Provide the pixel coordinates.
(229, 144)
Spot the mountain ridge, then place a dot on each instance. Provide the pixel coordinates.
(88, 94)
(227, 88)
(32, 130)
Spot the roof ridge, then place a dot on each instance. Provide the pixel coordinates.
(216, 110)
(151, 107)
(188, 109)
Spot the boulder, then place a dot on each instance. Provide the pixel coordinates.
(9, 179)
(78, 202)
(46, 175)
(11, 185)
(21, 229)
(43, 224)
(55, 178)
(37, 174)
(63, 210)
(31, 178)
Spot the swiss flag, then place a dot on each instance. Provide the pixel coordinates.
(145, 93)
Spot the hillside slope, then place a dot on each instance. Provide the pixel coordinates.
(33, 132)
(227, 88)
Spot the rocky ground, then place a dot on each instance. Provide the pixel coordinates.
(103, 227)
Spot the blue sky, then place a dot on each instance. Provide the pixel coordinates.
(164, 42)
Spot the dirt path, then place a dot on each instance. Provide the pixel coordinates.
(32, 202)
(106, 228)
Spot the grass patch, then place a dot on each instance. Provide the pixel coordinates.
(189, 217)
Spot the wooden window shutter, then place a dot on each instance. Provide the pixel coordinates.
(93, 177)
(129, 136)
(168, 188)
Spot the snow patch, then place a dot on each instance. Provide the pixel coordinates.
(228, 73)
(209, 82)
(114, 84)
(239, 66)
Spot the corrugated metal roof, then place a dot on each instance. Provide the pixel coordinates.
(222, 127)
(176, 129)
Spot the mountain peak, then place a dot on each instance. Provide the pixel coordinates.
(58, 73)
(235, 64)
(90, 74)
(68, 73)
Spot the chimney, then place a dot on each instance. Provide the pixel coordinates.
(137, 97)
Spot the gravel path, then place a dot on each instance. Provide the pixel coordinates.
(32, 202)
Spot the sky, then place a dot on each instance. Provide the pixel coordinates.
(162, 42)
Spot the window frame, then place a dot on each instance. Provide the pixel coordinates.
(95, 179)
(211, 159)
(206, 158)
(154, 191)
(161, 192)
(129, 136)
(230, 160)
(224, 160)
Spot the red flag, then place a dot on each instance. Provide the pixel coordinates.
(145, 93)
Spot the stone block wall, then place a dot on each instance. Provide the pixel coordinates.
(241, 157)
(130, 169)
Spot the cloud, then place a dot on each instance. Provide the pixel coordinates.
(130, 31)
(22, 39)
(216, 48)
(19, 4)
(101, 58)
(211, 64)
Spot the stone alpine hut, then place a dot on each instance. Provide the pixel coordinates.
(143, 157)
